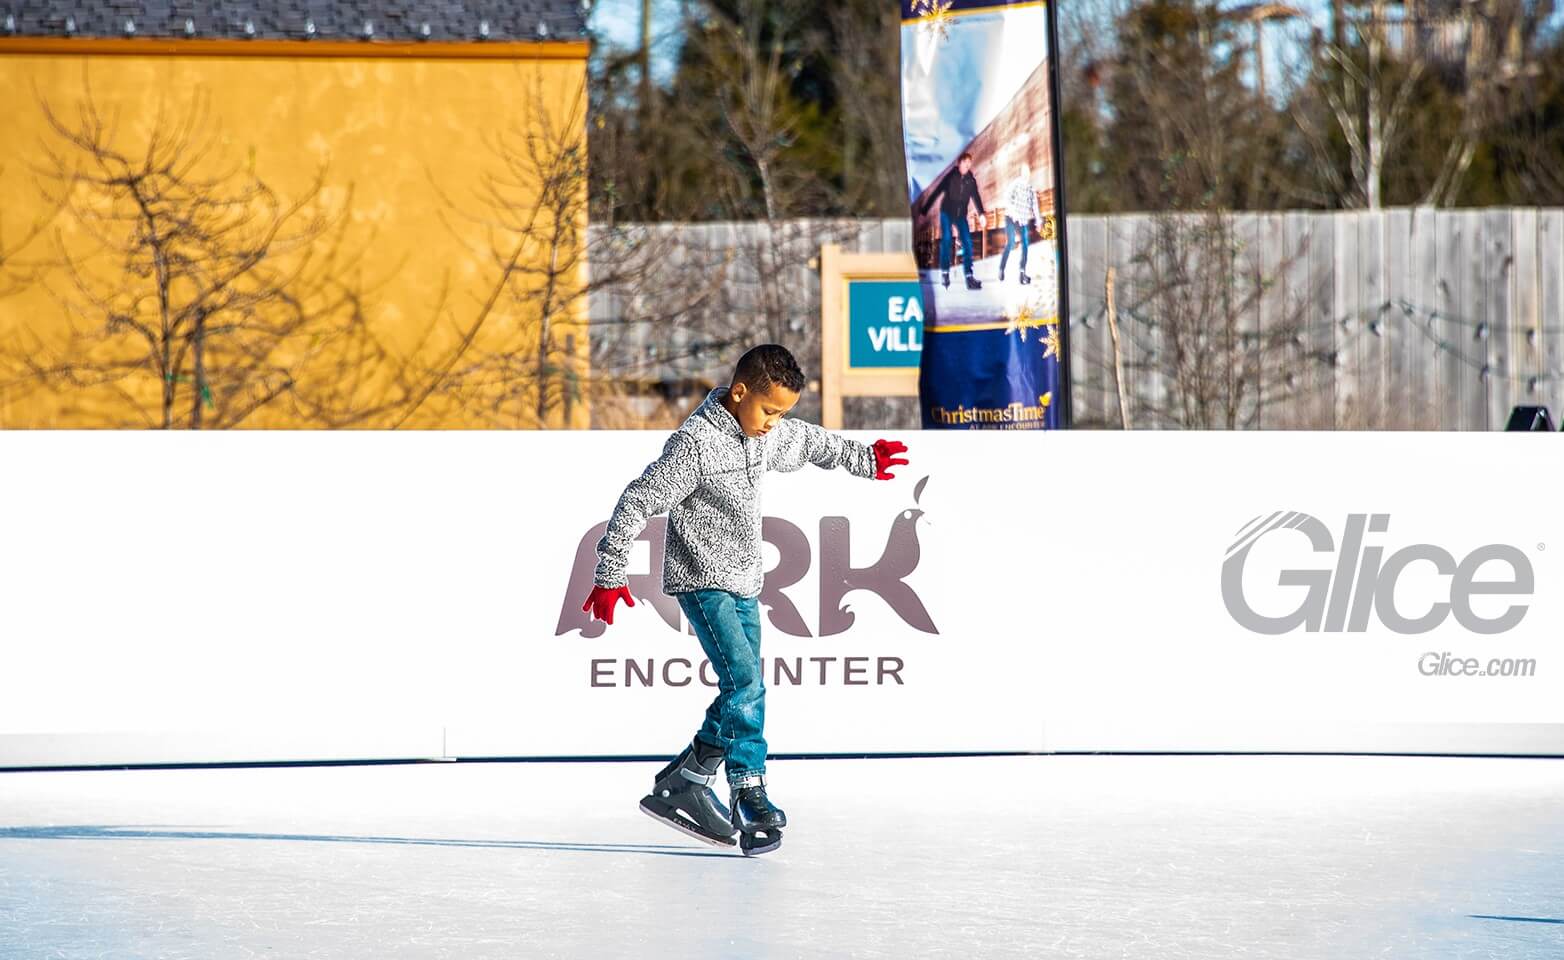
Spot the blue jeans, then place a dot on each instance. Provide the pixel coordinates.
(1012, 230)
(944, 241)
(728, 627)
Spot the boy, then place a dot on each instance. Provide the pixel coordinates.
(708, 479)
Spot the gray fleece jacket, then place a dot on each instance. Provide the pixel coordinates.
(708, 479)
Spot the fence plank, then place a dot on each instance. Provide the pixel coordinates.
(1151, 338)
(1393, 328)
(1294, 283)
(1476, 397)
(1093, 238)
(1331, 282)
(898, 236)
(1525, 341)
(1244, 234)
(1422, 296)
(1081, 305)
(1498, 264)
(1550, 305)
(1369, 322)
(1269, 256)
(1442, 273)
(1445, 322)
(1343, 289)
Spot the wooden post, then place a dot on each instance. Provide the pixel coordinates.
(1118, 355)
(832, 311)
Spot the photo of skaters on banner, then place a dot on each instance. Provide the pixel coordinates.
(979, 261)
(983, 204)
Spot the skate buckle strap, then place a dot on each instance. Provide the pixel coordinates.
(695, 777)
(748, 780)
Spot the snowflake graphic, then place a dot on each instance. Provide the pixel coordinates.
(1051, 343)
(1024, 316)
(934, 17)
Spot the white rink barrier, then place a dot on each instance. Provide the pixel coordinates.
(275, 596)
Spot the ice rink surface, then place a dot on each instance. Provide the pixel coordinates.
(1154, 857)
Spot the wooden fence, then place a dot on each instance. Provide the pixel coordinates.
(1404, 318)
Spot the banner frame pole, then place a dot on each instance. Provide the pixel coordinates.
(1061, 207)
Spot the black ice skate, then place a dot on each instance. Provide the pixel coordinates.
(1024, 278)
(973, 283)
(945, 275)
(682, 796)
(757, 820)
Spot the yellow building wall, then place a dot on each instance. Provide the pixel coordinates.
(408, 149)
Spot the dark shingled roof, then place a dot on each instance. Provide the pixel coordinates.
(293, 19)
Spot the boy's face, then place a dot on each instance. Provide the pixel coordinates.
(757, 413)
(964, 165)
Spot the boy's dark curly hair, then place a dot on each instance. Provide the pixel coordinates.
(766, 364)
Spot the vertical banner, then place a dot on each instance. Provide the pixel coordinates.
(980, 125)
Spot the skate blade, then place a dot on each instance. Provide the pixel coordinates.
(689, 831)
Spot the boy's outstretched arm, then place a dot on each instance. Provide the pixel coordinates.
(665, 481)
(800, 442)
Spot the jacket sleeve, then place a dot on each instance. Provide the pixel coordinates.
(977, 197)
(665, 481)
(799, 442)
(940, 185)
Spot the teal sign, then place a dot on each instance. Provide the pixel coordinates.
(884, 323)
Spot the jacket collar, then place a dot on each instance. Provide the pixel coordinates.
(712, 409)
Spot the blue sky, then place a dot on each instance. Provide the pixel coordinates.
(618, 23)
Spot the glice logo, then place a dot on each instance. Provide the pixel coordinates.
(837, 576)
(1364, 578)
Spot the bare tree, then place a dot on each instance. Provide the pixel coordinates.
(15, 273)
(755, 104)
(1481, 73)
(864, 45)
(515, 361)
(201, 296)
(1197, 357)
(1362, 96)
(1186, 132)
(1421, 92)
(1510, 66)
(737, 151)
(1533, 139)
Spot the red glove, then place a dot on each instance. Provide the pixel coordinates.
(601, 601)
(883, 449)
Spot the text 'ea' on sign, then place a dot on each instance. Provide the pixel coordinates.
(885, 320)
